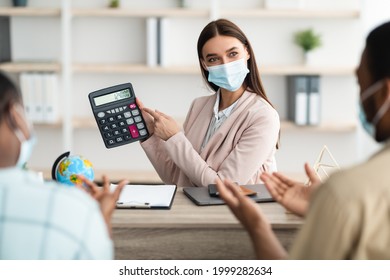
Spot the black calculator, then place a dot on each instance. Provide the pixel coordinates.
(117, 115)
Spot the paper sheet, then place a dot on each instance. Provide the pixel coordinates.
(145, 196)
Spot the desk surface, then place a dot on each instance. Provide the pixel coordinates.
(187, 231)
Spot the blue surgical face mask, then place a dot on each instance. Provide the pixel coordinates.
(370, 127)
(229, 76)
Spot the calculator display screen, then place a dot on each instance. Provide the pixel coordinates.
(112, 97)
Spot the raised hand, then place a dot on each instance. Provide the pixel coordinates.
(106, 199)
(245, 210)
(265, 243)
(293, 195)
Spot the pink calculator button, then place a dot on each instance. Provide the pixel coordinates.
(134, 131)
(132, 106)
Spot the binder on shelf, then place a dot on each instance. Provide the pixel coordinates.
(37, 96)
(51, 93)
(152, 42)
(40, 96)
(24, 81)
(304, 100)
(145, 196)
(161, 44)
(5, 42)
(298, 99)
(314, 101)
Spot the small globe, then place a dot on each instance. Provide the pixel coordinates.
(67, 169)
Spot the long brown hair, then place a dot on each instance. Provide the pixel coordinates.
(225, 27)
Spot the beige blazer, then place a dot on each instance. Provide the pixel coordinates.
(241, 149)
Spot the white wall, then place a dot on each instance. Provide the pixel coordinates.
(123, 40)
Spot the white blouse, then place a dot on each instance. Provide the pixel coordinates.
(217, 119)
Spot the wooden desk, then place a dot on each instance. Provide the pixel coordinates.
(188, 231)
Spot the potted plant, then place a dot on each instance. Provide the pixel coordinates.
(114, 4)
(19, 3)
(308, 41)
(182, 4)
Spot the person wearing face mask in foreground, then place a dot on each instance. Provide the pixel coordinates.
(230, 134)
(347, 217)
(45, 220)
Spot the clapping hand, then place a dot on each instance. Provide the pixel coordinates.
(106, 199)
(266, 244)
(245, 210)
(293, 195)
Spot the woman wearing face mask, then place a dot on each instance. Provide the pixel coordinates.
(45, 220)
(348, 216)
(230, 134)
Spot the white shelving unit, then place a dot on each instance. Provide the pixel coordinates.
(69, 69)
(291, 14)
(30, 12)
(280, 70)
(143, 13)
(18, 67)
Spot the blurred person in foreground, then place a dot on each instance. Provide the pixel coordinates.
(347, 217)
(45, 220)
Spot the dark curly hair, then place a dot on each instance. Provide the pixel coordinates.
(378, 52)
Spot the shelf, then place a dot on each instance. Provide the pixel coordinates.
(83, 123)
(88, 123)
(307, 70)
(325, 127)
(289, 14)
(265, 70)
(17, 67)
(30, 12)
(188, 12)
(144, 13)
(134, 69)
(55, 125)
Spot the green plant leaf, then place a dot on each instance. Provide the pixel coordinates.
(114, 4)
(307, 39)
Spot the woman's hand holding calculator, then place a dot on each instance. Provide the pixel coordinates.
(164, 126)
(147, 117)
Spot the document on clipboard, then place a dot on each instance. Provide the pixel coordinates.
(145, 196)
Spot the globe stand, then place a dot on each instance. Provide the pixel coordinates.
(55, 165)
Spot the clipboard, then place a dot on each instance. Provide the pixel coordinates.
(145, 196)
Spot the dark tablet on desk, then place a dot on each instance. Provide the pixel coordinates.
(200, 196)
